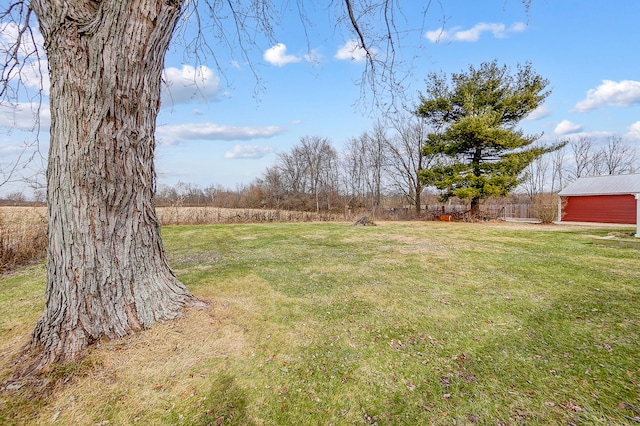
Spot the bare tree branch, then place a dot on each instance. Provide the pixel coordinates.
(21, 62)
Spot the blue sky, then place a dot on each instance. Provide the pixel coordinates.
(231, 128)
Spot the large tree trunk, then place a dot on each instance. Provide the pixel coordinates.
(107, 275)
(475, 208)
(418, 200)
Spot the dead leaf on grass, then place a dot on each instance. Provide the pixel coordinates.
(396, 344)
(445, 381)
(571, 405)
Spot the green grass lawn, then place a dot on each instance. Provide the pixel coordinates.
(325, 323)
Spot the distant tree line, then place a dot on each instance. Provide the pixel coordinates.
(583, 156)
(461, 141)
(376, 169)
(379, 169)
(460, 144)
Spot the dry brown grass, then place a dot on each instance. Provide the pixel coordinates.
(151, 371)
(219, 215)
(23, 230)
(23, 235)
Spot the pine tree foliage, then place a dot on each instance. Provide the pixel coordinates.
(475, 116)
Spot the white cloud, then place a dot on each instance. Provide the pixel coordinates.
(313, 56)
(34, 74)
(170, 134)
(566, 127)
(10, 153)
(277, 55)
(351, 50)
(189, 84)
(634, 131)
(9, 32)
(541, 112)
(473, 34)
(596, 136)
(247, 152)
(615, 93)
(23, 116)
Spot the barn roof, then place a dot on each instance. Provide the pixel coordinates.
(604, 185)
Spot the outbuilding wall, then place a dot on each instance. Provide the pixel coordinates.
(600, 208)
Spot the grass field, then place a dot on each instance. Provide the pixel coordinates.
(325, 323)
(23, 229)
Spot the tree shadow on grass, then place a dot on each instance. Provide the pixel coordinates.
(224, 403)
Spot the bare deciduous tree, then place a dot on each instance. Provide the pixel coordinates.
(364, 165)
(406, 158)
(306, 178)
(275, 190)
(584, 156)
(355, 172)
(588, 156)
(616, 157)
(535, 180)
(320, 160)
(613, 156)
(558, 172)
(375, 152)
(292, 171)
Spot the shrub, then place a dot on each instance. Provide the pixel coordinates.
(545, 207)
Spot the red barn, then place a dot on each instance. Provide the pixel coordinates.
(605, 199)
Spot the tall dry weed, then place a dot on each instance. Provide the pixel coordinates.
(23, 238)
(219, 215)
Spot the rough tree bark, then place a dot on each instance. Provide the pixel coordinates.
(107, 274)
